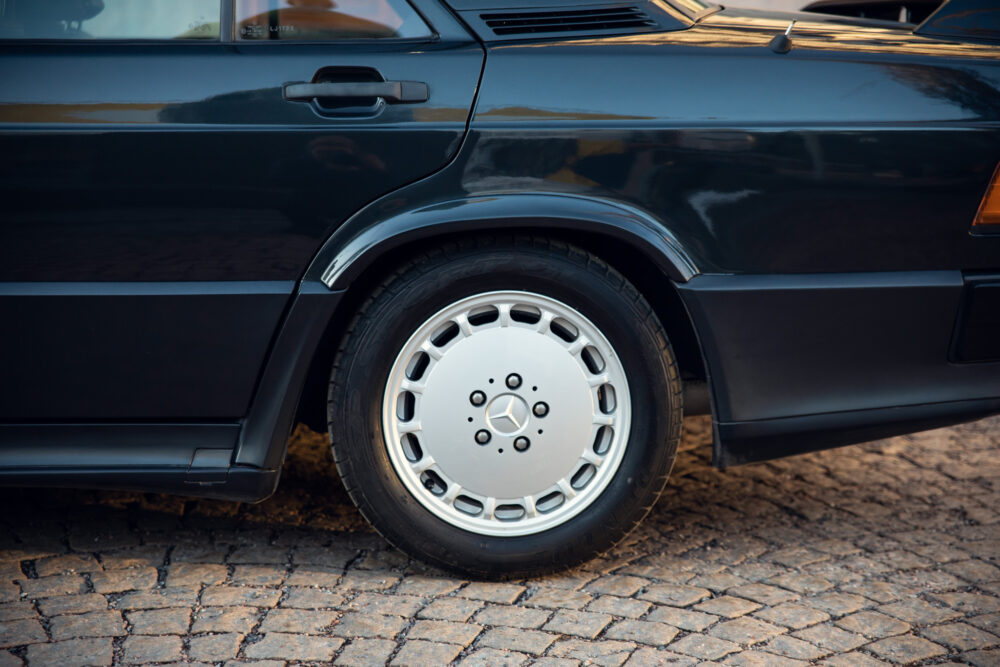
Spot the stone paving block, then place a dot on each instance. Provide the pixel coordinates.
(259, 554)
(225, 596)
(517, 617)
(988, 622)
(975, 603)
(792, 615)
(224, 619)
(881, 591)
(159, 599)
(792, 647)
(727, 606)
(579, 623)
(763, 593)
(829, 636)
(493, 657)
(806, 584)
(140, 650)
(517, 639)
(285, 646)
(704, 647)
(917, 611)
(355, 624)
(21, 632)
(258, 575)
(199, 553)
(388, 604)
(419, 653)
(674, 595)
(315, 577)
(96, 652)
(367, 653)
(837, 604)
(13, 611)
(605, 653)
(215, 647)
(555, 662)
(616, 606)
(119, 581)
(719, 581)
(572, 580)
(853, 659)
(332, 557)
(899, 559)
(558, 598)
(105, 623)
(620, 585)
(8, 659)
(311, 598)
(905, 649)
(491, 592)
(450, 609)
(137, 557)
(651, 657)
(66, 564)
(797, 557)
(760, 658)
(990, 658)
(428, 586)
(873, 624)
(364, 580)
(643, 632)
(72, 604)
(685, 619)
(448, 632)
(746, 630)
(195, 574)
(961, 636)
(975, 571)
(307, 621)
(47, 587)
(159, 621)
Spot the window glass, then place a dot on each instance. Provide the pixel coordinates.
(109, 19)
(317, 20)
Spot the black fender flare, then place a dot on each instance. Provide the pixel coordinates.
(360, 242)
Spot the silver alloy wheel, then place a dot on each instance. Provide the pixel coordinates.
(506, 413)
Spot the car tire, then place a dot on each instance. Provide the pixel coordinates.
(444, 385)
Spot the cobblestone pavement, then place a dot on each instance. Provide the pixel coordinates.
(880, 553)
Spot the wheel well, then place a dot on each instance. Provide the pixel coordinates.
(641, 271)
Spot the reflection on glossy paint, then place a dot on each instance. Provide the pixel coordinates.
(80, 113)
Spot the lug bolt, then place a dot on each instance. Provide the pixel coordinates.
(521, 443)
(429, 484)
(540, 409)
(513, 380)
(477, 398)
(483, 436)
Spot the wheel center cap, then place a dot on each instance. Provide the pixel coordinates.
(507, 414)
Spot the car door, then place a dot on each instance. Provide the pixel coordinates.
(170, 168)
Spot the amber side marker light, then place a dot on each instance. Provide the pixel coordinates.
(988, 217)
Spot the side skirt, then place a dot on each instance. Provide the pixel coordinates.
(187, 459)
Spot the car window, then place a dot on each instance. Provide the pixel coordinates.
(321, 20)
(109, 19)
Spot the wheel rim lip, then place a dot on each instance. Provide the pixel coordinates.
(619, 419)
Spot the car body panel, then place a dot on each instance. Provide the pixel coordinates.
(812, 209)
(179, 172)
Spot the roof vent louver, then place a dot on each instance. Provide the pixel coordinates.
(620, 19)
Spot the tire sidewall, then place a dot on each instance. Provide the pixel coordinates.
(397, 313)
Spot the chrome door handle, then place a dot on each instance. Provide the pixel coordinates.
(393, 92)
